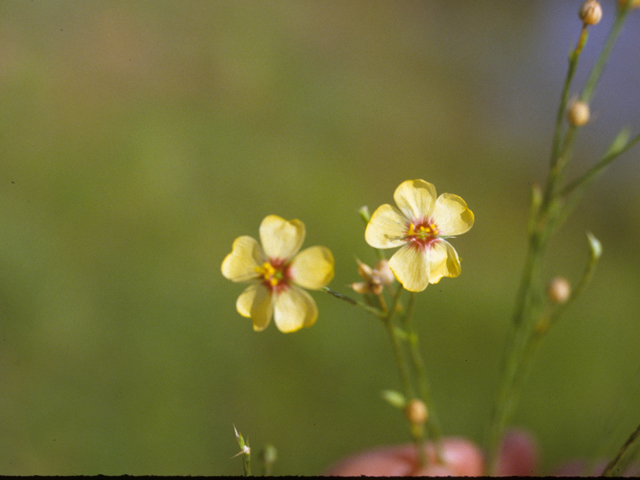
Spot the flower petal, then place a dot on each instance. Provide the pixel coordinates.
(312, 268)
(415, 198)
(443, 261)
(294, 309)
(387, 228)
(240, 265)
(452, 215)
(255, 303)
(409, 265)
(281, 239)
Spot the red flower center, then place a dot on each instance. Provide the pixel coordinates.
(422, 234)
(275, 274)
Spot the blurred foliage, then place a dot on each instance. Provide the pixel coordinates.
(139, 139)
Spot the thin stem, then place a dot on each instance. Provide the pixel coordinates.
(246, 464)
(582, 183)
(417, 363)
(356, 303)
(403, 370)
(397, 348)
(597, 70)
(613, 465)
(564, 98)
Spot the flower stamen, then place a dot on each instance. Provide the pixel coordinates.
(273, 273)
(423, 233)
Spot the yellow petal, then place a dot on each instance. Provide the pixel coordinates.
(415, 198)
(451, 215)
(255, 303)
(312, 268)
(409, 265)
(443, 261)
(387, 228)
(281, 239)
(294, 309)
(245, 256)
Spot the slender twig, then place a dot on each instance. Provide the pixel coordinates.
(397, 348)
(434, 430)
(373, 311)
(613, 465)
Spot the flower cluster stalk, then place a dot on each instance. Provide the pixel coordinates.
(549, 209)
(420, 225)
(409, 335)
(415, 399)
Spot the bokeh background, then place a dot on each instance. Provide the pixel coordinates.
(139, 139)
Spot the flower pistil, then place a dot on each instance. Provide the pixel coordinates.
(422, 234)
(274, 274)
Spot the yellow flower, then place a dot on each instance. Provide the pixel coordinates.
(420, 225)
(276, 271)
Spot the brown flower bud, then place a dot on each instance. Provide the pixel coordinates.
(416, 412)
(578, 114)
(374, 278)
(590, 12)
(559, 290)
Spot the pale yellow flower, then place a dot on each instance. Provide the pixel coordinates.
(277, 271)
(420, 226)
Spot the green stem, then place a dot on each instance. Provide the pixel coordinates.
(564, 98)
(405, 378)
(367, 308)
(403, 370)
(417, 363)
(596, 72)
(397, 348)
(613, 466)
(580, 185)
(246, 464)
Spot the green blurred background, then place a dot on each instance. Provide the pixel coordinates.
(139, 139)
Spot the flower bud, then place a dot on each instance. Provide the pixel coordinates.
(590, 12)
(384, 272)
(375, 278)
(416, 412)
(364, 270)
(578, 114)
(268, 454)
(559, 290)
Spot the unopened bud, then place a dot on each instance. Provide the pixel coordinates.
(559, 290)
(578, 114)
(384, 272)
(268, 454)
(364, 270)
(374, 278)
(590, 12)
(416, 412)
